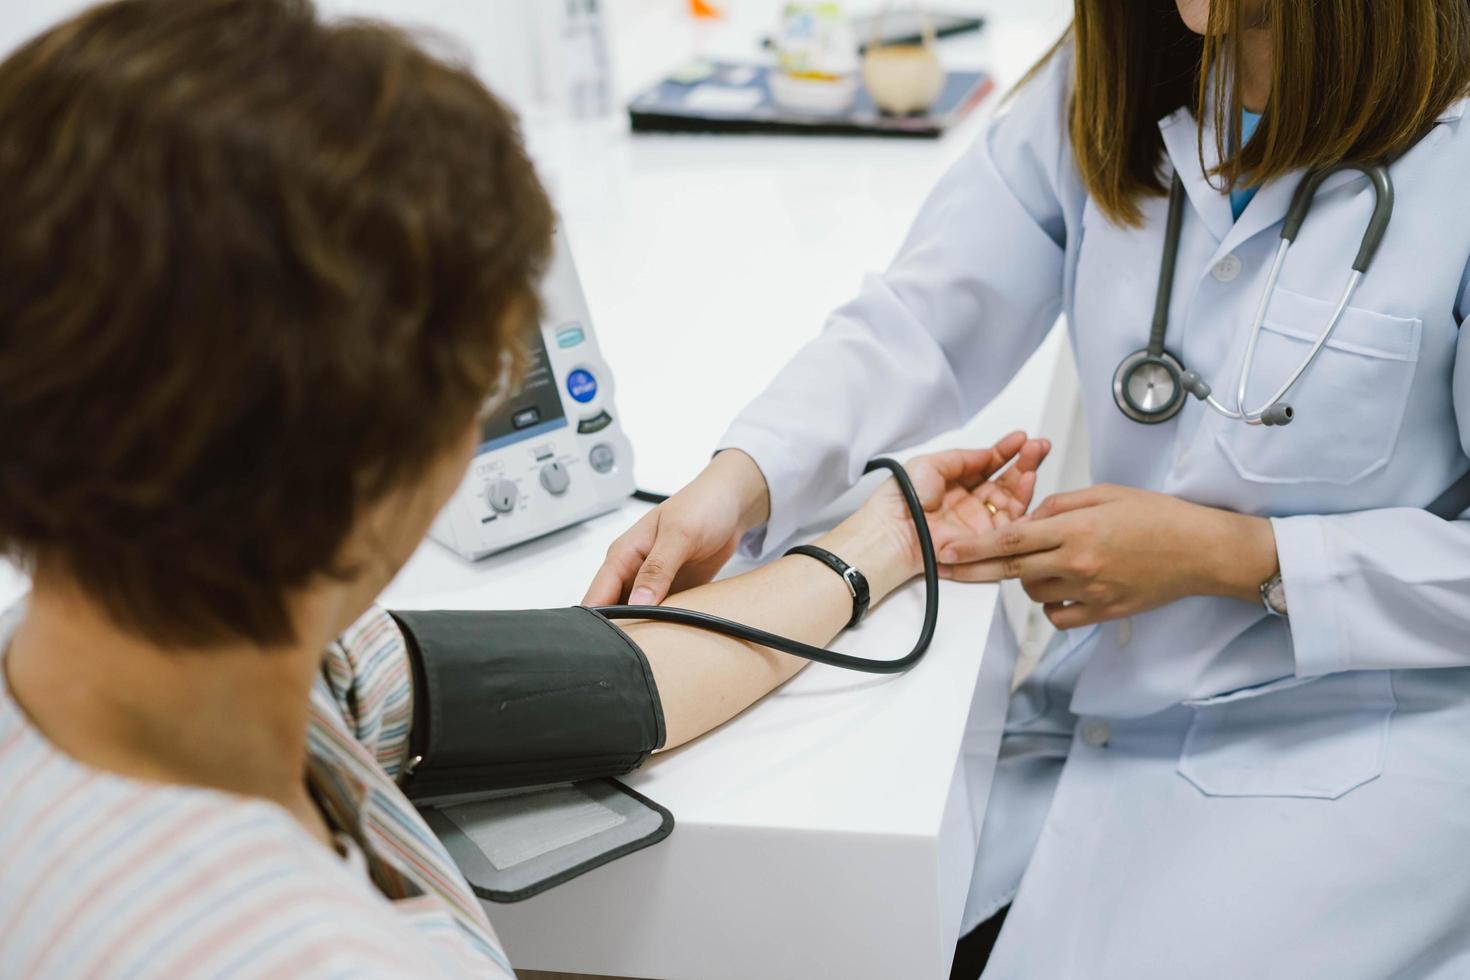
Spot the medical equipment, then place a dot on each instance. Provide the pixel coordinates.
(523, 717)
(524, 698)
(553, 453)
(533, 474)
(1150, 384)
(520, 719)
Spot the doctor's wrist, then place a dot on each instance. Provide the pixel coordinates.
(1239, 554)
(735, 470)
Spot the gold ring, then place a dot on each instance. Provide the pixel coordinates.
(991, 507)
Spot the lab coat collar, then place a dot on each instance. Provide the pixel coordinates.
(1269, 206)
(1181, 134)
(1273, 200)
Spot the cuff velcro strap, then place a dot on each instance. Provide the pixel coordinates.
(524, 698)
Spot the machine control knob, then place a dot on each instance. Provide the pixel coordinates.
(602, 458)
(554, 478)
(502, 496)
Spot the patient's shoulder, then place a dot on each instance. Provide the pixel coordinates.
(106, 876)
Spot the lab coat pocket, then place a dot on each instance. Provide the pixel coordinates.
(1318, 740)
(1348, 406)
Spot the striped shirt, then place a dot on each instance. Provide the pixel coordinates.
(105, 876)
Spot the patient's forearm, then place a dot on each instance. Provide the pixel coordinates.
(705, 679)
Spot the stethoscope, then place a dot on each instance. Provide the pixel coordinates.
(1149, 386)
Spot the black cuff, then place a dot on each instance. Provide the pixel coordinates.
(524, 698)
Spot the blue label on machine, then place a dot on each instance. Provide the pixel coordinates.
(581, 385)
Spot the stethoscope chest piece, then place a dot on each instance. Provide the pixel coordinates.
(1148, 387)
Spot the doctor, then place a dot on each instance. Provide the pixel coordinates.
(1247, 751)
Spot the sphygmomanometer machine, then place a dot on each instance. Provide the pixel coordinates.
(522, 719)
(553, 453)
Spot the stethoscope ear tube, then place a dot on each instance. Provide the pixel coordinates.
(1306, 192)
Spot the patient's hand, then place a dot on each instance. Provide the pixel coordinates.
(955, 487)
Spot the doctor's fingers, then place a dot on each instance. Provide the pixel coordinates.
(672, 547)
(1022, 538)
(1061, 503)
(1049, 590)
(1037, 566)
(623, 560)
(1070, 615)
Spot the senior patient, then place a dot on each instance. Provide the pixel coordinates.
(258, 274)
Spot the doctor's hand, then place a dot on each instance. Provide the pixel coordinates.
(1107, 552)
(686, 540)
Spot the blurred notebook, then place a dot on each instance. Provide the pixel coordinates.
(726, 97)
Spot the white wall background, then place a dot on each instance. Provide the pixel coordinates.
(493, 32)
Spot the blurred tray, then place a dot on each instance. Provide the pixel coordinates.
(736, 98)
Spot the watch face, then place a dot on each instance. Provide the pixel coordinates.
(1274, 594)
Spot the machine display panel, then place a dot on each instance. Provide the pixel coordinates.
(535, 407)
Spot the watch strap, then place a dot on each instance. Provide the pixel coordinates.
(857, 583)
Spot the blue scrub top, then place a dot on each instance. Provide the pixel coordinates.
(1241, 196)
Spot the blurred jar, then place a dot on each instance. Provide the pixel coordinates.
(816, 59)
(903, 78)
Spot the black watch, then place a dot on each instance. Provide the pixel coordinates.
(857, 583)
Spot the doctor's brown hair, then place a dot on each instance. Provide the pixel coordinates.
(257, 271)
(1351, 80)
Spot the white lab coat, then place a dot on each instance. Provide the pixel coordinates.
(1201, 790)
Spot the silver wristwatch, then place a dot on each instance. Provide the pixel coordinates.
(1273, 595)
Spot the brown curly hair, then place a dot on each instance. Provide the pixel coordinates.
(257, 270)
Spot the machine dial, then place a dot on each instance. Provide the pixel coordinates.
(602, 458)
(554, 478)
(502, 496)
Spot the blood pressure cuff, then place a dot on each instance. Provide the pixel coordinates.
(510, 699)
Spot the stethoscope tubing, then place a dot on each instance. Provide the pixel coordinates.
(1273, 411)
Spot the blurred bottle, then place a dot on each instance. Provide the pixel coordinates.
(584, 41)
(573, 72)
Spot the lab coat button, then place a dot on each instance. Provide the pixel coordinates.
(1226, 269)
(1095, 733)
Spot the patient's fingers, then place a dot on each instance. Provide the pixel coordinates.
(972, 467)
(1019, 479)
